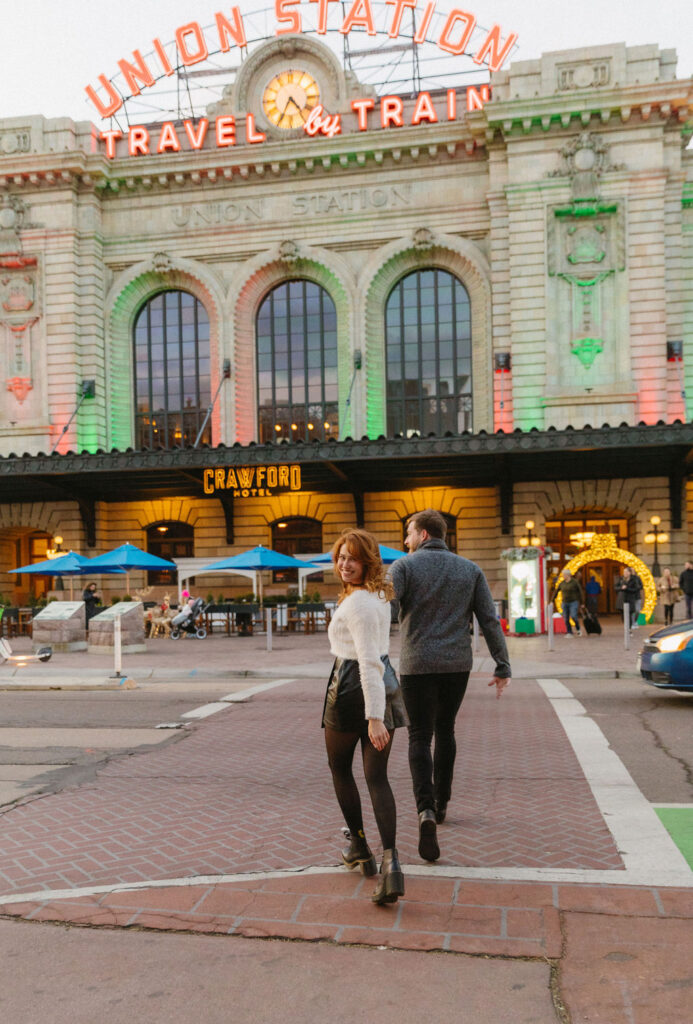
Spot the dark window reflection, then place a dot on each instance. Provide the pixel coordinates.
(172, 371)
(296, 331)
(298, 535)
(170, 540)
(428, 346)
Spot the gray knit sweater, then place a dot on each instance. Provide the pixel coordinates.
(437, 593)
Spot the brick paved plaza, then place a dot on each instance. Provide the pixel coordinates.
(231, 827)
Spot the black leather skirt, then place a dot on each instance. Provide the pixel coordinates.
(344, 709)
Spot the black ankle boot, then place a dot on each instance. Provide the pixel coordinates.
(358, 854)
(391, 884)
(428, 840)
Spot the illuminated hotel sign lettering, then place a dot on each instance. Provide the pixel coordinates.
(253, 481)
(192, 48)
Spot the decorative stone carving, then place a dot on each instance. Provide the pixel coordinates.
(584, 160)
(423, 239)
(21, 386)
(13, 212)
(18, 297)
(161, 262)
(583, 75)
(289, 251)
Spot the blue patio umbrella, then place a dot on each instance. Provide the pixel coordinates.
(70, 564)
(388, 555)
(257, 559)
(127, 557)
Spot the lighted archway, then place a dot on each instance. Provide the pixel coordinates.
(604, 546)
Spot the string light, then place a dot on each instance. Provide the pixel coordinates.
(604, 546)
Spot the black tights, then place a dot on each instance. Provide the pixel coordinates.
(340, 755)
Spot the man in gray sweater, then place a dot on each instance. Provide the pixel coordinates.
(438, 592)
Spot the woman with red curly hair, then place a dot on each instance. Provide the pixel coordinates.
(364, 704)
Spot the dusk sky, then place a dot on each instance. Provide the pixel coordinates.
(53, 50)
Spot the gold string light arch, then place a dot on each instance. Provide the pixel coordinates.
(604, 546)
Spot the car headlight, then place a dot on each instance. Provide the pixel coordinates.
(674, 642)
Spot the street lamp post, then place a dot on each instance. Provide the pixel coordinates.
(656, 537)
(531, 540)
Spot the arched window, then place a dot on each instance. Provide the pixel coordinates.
(297, 363)
(170, 540)
(296, 535)
(172, 386)
(428, 346)
(450, 536)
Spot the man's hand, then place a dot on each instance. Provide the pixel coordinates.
(500, 684)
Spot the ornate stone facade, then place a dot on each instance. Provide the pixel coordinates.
(563, 206)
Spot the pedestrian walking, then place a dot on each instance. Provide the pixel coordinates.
(631, 589)
(668, 590)
(438, 592)
(686, 584)
(593, 589)
(363, 705)
(572, 595)
(91, 602)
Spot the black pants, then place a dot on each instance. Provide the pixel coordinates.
(432, 702)
(668, 614)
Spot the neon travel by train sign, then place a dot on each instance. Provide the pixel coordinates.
(455, 34)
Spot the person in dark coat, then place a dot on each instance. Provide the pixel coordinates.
(438, 592)
(631, 588)
(593, 589)
(573, 598)
(91, 601)
(686, 584)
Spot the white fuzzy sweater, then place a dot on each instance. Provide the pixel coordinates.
(360, 629)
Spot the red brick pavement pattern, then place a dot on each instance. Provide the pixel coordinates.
(623, 954)
(249, 790)
(499, 918)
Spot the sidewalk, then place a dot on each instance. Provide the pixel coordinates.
(308, 656)
(232, 828)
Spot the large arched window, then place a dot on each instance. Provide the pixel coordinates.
(169, 539)
(297, 363)
(428, 345)
(296, 535)
(172, 386)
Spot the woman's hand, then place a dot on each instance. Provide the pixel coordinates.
(378, 734)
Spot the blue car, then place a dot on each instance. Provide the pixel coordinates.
(666, 659)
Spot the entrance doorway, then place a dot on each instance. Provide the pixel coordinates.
(568, 537)
(25, 547)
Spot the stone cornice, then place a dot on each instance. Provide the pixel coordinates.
(661, 435)
(660, 102)
(270, 160)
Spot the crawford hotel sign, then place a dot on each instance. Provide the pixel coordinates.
(293, 99)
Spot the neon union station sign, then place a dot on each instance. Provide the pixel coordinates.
(194, 45)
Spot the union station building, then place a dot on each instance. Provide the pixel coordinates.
(481, 302)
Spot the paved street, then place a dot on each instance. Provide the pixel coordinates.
(552, 855)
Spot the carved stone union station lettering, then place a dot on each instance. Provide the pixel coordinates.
(353, 200)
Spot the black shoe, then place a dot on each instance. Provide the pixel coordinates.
(441, 809)
(358, 854)
(391, 885)
(428, 840)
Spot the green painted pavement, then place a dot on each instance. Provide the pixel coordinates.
(678, 821)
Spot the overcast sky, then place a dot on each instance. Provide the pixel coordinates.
(52, 49)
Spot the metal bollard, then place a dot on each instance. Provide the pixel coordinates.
(117, 647)
(549, 624)
(268, 613)
(626, 625)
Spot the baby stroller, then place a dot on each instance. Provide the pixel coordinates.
(187, 621)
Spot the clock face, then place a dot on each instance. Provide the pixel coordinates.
(289, 98)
